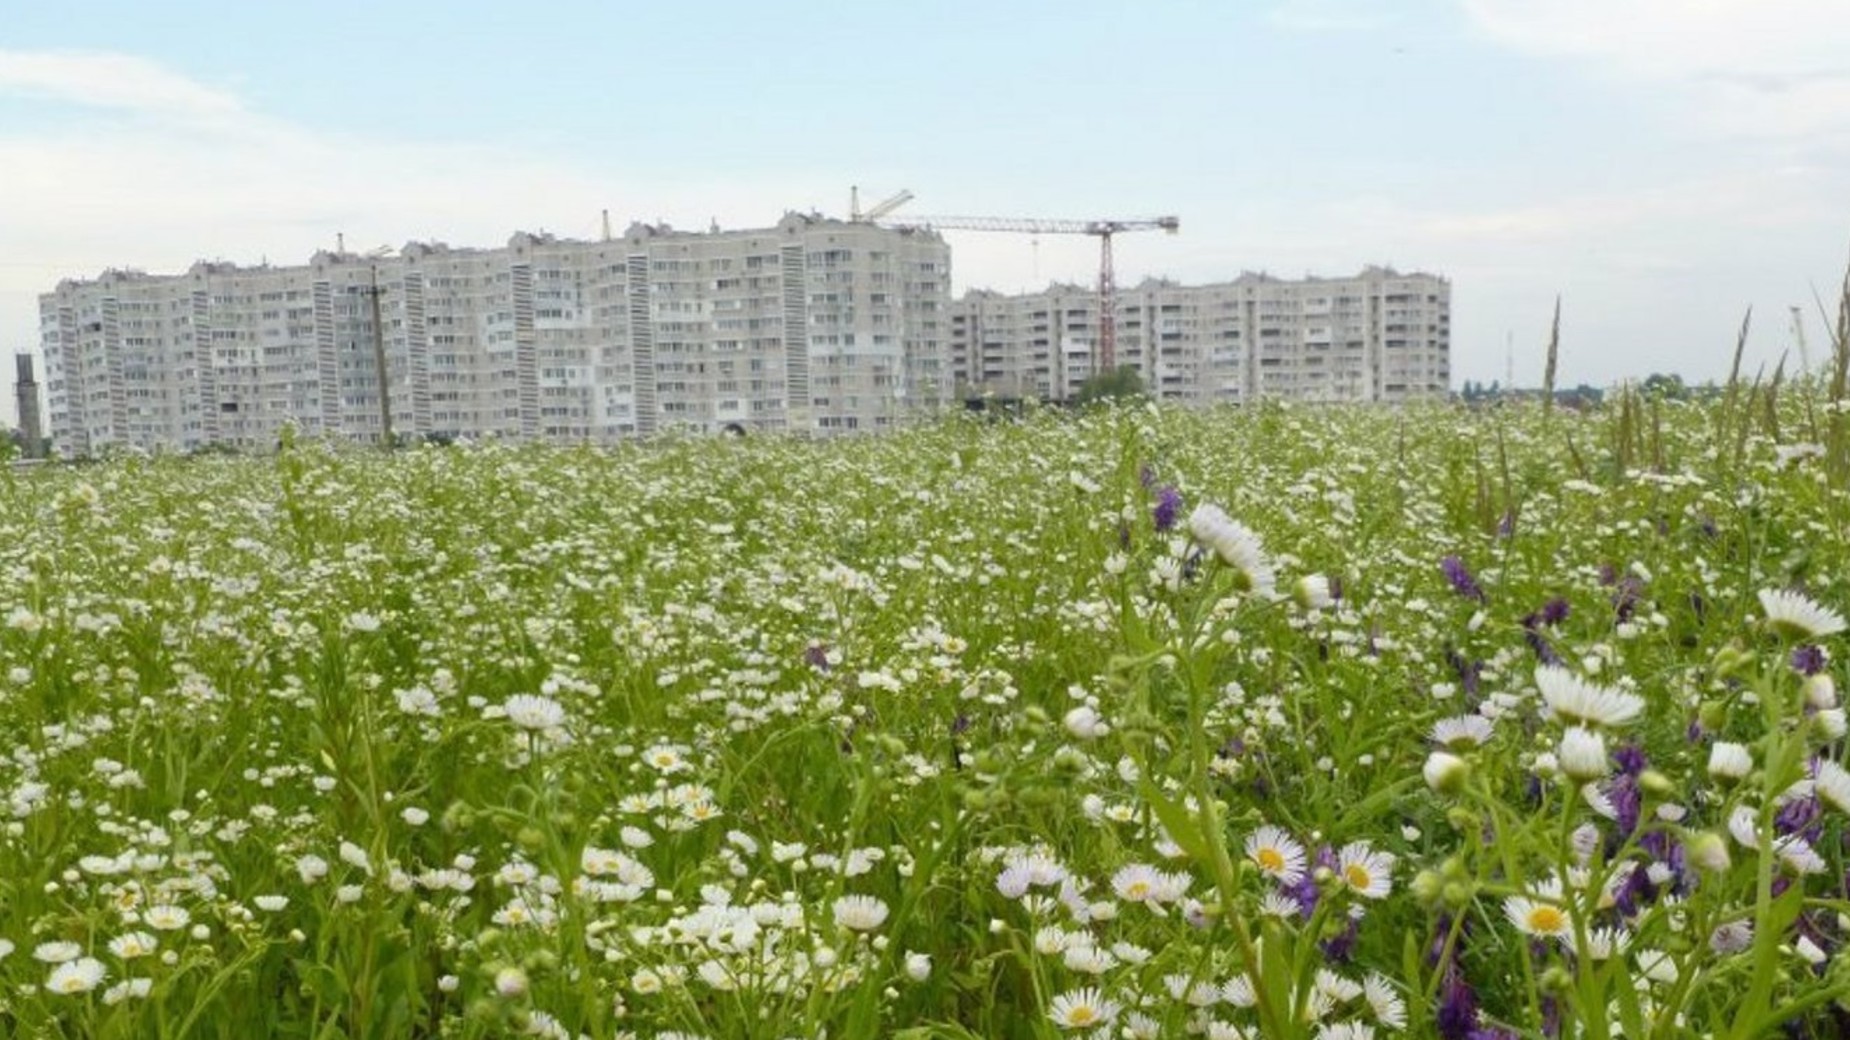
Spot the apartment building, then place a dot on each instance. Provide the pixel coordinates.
(1378, 336)
(810, 325)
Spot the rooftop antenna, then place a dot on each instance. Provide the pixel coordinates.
(606, 225)
(340, 242)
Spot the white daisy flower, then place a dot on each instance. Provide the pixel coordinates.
(1462, 732)
(1238, 991)
(1797, 617)
(57, 952)
(165, 917)
(1576, 700)
(1277, 854)
(127, 989)
(1082, 1009)
(1388, 1007)
(1137, 883)
(1831, 782)
(529, 711)
(1237, 547)
(1542, 915)
(78, 976)
(1602, 943)
(131, 945)
(1279, 905)
(1798, 855)
(860, 913)
(1367, 872)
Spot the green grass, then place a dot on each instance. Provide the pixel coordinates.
(930, 669)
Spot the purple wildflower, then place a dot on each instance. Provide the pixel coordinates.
(1460, 577)
(1340, 947)
(817, 656)
(1796, 815)
(1457, 1014)
(1638, 892)
(1168, 504)
(1441, 935)
(1469, 672)
(1627, 804)
(1808, 659)
(1631, 759)
(1544, 650)
(1626, 597)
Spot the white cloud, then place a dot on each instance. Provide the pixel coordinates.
(110, 80)
(153, 170)
(1756, 68)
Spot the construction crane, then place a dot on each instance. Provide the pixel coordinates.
(1107, 353)
(877, 210)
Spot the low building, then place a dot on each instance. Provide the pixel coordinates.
(1378, 336)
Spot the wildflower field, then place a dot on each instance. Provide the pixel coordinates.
(1285, 722)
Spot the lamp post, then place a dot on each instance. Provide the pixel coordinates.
(372, 292)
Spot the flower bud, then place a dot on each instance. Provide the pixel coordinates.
(1831, 723)
(1426, 887)
(1820, 691)
(1729, 762)
(1583, 754)
(1654, 782)
(1708, 851)
(1446, 773)
(1312, 592)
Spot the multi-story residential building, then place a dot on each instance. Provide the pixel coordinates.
(1379, 336)
(813, 324)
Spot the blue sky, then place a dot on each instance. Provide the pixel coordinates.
(1662, 164)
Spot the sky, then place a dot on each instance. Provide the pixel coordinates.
(1660, 165)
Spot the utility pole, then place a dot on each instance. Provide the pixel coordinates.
(385, 398)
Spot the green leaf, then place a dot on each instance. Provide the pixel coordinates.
(1182, 828)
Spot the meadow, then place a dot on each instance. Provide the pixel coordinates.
(1289, 722)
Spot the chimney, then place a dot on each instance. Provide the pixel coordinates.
(31, 427)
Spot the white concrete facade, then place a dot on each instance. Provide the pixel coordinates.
(811, 325)
(1379, 336)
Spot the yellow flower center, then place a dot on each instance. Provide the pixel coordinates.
(1358, 876)
(1270, 860)
(1083, 1015)
(1137, 890)
(1547, 920)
